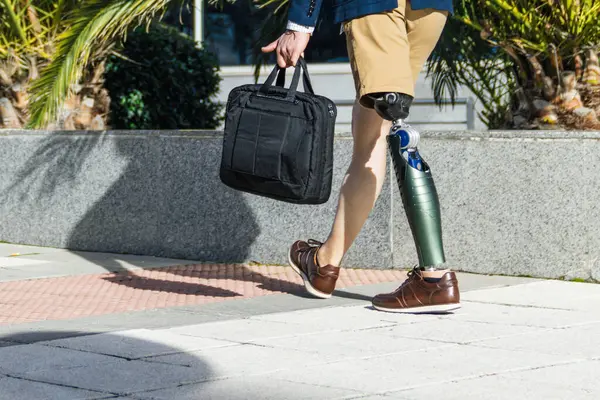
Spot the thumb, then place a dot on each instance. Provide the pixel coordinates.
(270, 47)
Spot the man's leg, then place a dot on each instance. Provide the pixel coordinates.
(318, 264)
(371, 59)
(429, 288)
(362, 184)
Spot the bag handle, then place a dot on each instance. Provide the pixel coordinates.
(305, 77)
(280, 74)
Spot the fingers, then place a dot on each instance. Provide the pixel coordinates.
(282, 56)
(270, 47)
(281, 60)
(295, 56)
(289, 48)
(287, 58)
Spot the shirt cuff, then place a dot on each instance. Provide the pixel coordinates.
(292, 26)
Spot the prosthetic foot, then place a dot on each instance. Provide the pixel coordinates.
(421, 205)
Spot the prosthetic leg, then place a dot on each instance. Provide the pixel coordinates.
(427, 290)
(415, 181)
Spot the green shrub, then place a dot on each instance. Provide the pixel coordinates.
(161, 80)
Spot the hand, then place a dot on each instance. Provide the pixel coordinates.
(290, 47)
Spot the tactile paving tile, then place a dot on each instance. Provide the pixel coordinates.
(99, 294)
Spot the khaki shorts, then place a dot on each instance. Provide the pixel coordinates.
(388, 50)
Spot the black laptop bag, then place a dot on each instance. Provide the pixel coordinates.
(278, 142)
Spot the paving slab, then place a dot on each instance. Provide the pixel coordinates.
(6, 249)
(523, 315)
(37, 357)
(12, 263)
(255, 388)
(248, 359)
(448, 330)
(584, 375)
(109, 261)
(124, 377)
(136, 344)
(350, 344)
(497, 388)
(406, 370)
(30, 262)
(348, 317)
(576, 341)
(248, 330)
(566, 295)
(20, 389)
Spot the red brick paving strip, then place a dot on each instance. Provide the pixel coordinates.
(89, 295)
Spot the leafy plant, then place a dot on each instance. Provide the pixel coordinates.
(552, 47)
(462, 58)
(27, 45)
(51, 53)
(161, 80)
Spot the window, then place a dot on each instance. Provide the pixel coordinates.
(233, 31)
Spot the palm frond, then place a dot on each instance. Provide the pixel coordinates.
(95, 23)
(463, 58)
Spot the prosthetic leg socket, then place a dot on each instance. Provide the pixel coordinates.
(419, 197)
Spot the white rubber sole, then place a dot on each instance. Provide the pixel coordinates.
(309, 288)
(442, 308)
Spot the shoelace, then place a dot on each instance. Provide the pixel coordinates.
(413, 272)
(411, 275)
(312, 243)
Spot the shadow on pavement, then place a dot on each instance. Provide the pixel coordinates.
(241, 274)
(83, 365)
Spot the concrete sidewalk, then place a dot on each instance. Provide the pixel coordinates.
(514, 338)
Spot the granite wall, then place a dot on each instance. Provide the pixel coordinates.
(512, 202)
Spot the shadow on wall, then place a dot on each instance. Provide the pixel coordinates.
(168, 200)
(80, 364)
(57, 161)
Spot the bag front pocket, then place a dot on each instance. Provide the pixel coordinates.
(272, 145)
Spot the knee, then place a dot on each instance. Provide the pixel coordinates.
(367, 124)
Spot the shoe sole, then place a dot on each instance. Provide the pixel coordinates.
(309, 288)
(441, 308)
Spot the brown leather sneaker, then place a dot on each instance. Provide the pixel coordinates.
(418, 295)
(318, 281)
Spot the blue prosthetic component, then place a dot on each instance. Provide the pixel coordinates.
(414, 159)
(409, 140)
